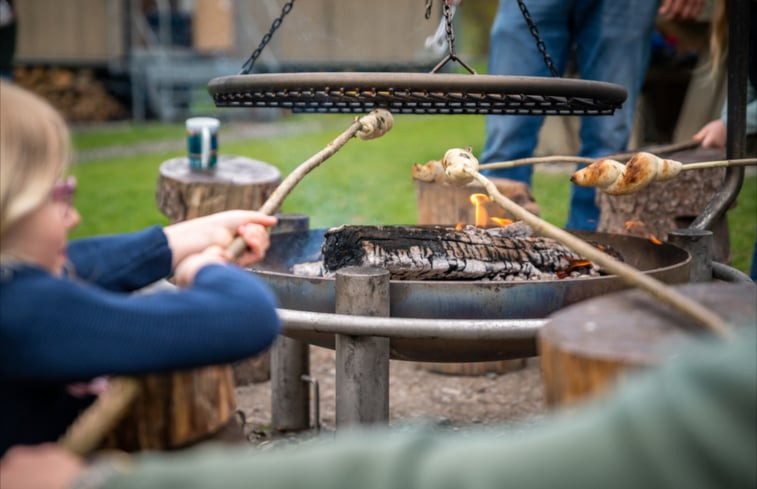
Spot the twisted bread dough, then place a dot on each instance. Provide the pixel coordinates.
(375, 124)
(430, 172)
(613, 178)
(457, 162)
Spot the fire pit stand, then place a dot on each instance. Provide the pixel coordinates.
(365, 338)
(362, 349)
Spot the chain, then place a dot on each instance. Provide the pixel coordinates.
(448, 27)
(429, 4)
(539, 42)
(247, 66)
(450, 42)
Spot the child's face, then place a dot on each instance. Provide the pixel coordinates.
(41, 237)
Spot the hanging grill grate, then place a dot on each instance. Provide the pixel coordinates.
(418, 93)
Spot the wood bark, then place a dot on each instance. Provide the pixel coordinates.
(176, 409)
(442, 253)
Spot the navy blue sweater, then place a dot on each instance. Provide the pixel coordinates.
(56, 330)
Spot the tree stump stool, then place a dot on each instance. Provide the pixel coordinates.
(666, 206)
(179, 408)
(236, 183)
(585, 348)
(445, 204)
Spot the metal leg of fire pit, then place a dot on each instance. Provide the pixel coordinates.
(698, 242)
(290, 399)
(290, 360)
(362, 362)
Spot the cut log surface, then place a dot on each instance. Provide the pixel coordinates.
(442, 253)
(585, 348)
(236, 183)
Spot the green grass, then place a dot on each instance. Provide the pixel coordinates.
(366, 182)
(123, 134)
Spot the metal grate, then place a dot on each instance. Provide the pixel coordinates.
(418, 93)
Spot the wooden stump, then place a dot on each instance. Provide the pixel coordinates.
(177, 409)
(586, 347)
(236, 183)
(666, 206)
(444, 204)
(472, 369)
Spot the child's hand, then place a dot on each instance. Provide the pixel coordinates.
(185, 271)
(257, 239)
(195, 235)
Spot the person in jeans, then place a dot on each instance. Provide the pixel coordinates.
(610, 41)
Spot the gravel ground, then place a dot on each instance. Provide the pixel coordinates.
(416, 394)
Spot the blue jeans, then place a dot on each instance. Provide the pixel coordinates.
(611, 41)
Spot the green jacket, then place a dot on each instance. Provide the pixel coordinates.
(689, 424)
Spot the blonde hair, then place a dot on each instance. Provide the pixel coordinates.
(34, 153)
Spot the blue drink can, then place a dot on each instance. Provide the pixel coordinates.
(202, 142)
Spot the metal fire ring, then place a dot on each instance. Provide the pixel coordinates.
(415, 328)
(417, 93)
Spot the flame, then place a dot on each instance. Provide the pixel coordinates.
(459, 226)
(501, 221)
(572, 266)
(482, 218)
(640, 229)
(578, 264)
(631, 225)
(481, 215)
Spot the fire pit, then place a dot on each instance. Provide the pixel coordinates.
(464, 299)
(457, 300)
(432, 321)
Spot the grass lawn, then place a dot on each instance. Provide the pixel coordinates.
(366, 182)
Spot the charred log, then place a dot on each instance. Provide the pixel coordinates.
(443, 253)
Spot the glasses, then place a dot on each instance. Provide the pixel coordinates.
(64, 191)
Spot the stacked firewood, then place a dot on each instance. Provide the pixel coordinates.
(76, 93)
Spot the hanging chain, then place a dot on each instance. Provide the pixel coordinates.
(448, 27)
(539, 42)
(450, 42)
(429, 4)
(247, 66)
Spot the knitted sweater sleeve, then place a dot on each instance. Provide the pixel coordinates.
(62, 329)
(122, 262)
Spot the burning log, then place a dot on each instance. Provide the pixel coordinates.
(443, 253)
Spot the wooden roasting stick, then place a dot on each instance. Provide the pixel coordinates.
(461, 167)
(371, 126)
(582, 160)
(88, 430)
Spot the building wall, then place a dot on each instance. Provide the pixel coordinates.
(70, 31)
